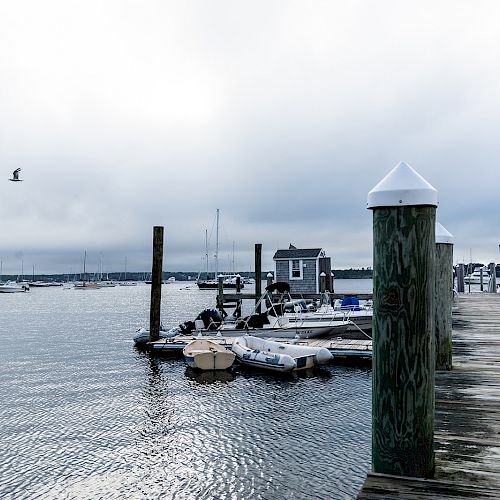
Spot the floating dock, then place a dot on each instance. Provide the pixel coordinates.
(467, 418)
(342, 349)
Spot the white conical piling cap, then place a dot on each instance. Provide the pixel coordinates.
(443, 236)
(402, 186)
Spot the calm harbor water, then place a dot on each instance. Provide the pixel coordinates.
(86, 415)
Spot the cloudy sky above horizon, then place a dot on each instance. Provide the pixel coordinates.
(128, 114)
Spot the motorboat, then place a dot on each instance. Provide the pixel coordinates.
(283, 327)
(14, 287)
(127, 283)
(106, 283)
(206, 323)
(86, 285)
(475, 277)
(278, 356)
(228, 281)
(206, 354)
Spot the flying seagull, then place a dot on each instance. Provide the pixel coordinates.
(15, 175)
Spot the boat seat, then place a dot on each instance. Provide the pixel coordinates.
(198, 324)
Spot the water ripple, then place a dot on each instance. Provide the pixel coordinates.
(84, 415)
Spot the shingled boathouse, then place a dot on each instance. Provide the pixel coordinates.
(301, 269)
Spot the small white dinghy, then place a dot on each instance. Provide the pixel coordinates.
(207, 355)
(141, 336)
(278, 356)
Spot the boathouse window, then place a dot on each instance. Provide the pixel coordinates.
(295, 269)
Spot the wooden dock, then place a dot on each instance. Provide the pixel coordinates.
(467, 424)
(342, 349)
(233, 296)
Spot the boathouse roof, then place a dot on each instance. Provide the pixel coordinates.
(298, 253)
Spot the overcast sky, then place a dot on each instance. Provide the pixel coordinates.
(129, 114)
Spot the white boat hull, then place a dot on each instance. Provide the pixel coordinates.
(282, 328)
(277, 356)
(207, 355)
(142, 335)
(11, 287)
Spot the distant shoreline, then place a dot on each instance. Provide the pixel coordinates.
(179, 276)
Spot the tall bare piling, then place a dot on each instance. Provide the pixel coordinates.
(492, 284)
(404, 214)
(269, 282)
(322, 282)
(220, 293)
(444, 297)
(156, 282)
(460, 278)
(258, 274)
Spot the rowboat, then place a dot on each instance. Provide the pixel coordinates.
(207, 355)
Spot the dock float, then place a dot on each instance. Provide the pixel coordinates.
(346, 349)
(467, 414)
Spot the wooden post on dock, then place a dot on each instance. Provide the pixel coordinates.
(460, 278)
(322, 282)
(258, 274)
(481, 282)
(156, 282)
(220, 293)
(492, 284)
(269, 282)
(404, 254)
(238, 283)
(443, 297)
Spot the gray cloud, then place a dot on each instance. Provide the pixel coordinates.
(125, 115)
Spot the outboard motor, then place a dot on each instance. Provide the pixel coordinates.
(211, 318)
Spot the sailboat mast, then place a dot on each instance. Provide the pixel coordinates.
(84, 264)
(206, 250)
(217, 247)
(125, 268)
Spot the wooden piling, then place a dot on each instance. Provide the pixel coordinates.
(269, 282)
(460, 278)
(220, 293)
(492, 284)
(322, 282)
(156, 282)
(258, 274)
(238, 283)
(481, 283)
(443, 297)
(404, 215)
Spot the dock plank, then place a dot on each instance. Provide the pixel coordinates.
(346, 348)
(467, 418)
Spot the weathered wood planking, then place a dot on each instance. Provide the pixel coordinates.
(379, 486)
(467, 416)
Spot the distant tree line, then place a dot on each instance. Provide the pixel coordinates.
(363, 273)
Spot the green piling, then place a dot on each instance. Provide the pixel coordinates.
(404, 214)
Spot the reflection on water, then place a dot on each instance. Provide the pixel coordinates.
(85, 415)
(209, 377)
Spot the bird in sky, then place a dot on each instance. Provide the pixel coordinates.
(15, 175)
